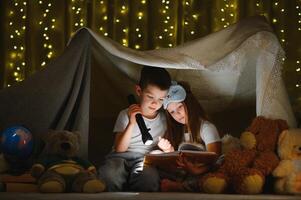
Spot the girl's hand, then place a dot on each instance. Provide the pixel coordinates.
(165, 145)
(133, 110)
(191, 167)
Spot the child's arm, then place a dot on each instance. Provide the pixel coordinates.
(214, 147)
(122, 139)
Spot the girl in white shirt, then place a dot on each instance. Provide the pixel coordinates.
(186, 121)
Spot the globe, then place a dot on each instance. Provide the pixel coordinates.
(16, 143)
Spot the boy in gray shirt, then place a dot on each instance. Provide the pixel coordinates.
(123, 168)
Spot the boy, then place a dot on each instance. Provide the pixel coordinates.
(124, 166)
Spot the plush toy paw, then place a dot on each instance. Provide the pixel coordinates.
(52, 187)
(248, 140)
(250, 181)
(294, 184)
(253, 184)
(51, 182)
(93, 186)
(213, 184)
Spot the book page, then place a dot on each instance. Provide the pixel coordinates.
(191, 146)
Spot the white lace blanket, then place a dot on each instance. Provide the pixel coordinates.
(236, 66)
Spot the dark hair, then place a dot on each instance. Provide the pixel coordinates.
(154, 76)
(196, 115)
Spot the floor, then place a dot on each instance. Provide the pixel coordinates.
(140, 196)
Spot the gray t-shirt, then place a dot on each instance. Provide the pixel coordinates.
(157, 128)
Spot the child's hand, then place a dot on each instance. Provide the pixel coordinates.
(191, 167)
(165, 145)
(133, 110)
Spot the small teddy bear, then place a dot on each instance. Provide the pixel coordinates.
(59, 169)
(288, 172)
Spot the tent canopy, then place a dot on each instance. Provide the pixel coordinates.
(235, 74)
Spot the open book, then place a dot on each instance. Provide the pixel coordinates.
(192, 151)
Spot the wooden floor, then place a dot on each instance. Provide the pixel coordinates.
(140, 196)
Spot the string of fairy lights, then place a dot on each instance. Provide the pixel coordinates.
(15, 59)
(47, 23)
(102, 16)
(128, 25)
(298, 66)
(78, 15)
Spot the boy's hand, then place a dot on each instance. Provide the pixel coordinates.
(133, 110)
(165, 145)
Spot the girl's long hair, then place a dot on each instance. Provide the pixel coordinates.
(196, 115)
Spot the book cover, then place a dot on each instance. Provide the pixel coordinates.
(168, 161)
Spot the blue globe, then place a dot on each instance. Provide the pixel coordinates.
(16, 143)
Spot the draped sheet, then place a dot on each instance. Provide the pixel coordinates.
(235, 73)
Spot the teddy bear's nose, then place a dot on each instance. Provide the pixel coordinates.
(65, 146)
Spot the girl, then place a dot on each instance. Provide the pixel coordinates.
(187, 121)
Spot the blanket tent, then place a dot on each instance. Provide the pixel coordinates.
(235, 74)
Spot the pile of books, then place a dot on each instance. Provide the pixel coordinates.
(19, 183)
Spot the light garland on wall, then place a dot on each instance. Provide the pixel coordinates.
(167, 36)
(228, 13)
(139, 25)
(46, 24)
(102, 12)
(15, 65)
(122, 22)
(78, 14)
(189, 20)
(298, 65)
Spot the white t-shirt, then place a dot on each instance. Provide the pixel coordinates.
(157, 128)
(209, 133)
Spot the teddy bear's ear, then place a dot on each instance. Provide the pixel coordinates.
(47, 135)
(282, 137)
(77, 133)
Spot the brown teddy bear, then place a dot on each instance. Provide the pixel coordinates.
(59, 169)
(288, 172)
(244, 171)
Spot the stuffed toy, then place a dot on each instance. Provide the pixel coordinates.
(244, 170)
(288, 172)
(59, 169)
